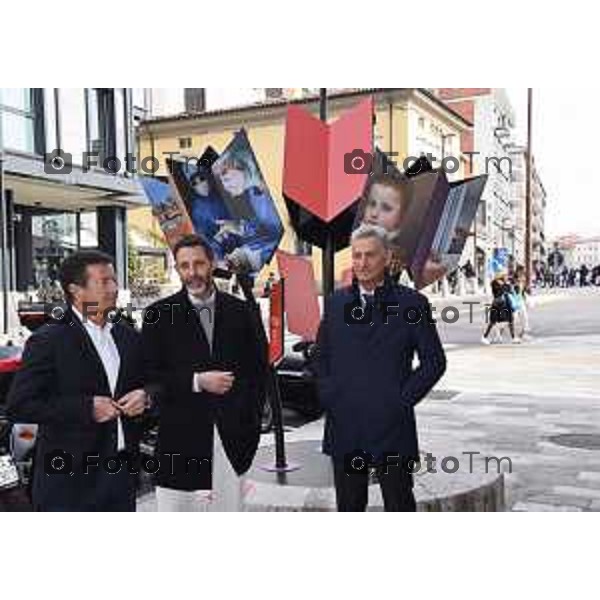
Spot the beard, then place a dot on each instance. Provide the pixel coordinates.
(197, 285)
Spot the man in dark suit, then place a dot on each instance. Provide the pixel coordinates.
(208, 361)
(82, 382)
(367, 383)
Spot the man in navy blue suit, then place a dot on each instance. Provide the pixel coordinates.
(368, 386)
(83, 383)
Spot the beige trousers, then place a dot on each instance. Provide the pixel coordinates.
(226, 495)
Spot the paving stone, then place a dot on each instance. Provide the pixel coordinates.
(580, 492)
(589, 477)
(560, 500)
(538, 507)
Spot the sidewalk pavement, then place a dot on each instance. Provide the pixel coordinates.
(513, 401)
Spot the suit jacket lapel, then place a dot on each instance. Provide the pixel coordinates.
(381, 330)
(190, 318)
(362, 333)
(117, 336)
(218, 323)
(83, 339)
(373, 334)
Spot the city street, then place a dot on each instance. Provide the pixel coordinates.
(554, 312)
(515, 400)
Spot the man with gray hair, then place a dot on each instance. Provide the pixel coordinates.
(368, 338)
(371, 231)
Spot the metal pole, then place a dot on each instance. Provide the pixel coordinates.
(475, 257)
(276, 407)
(272, 384)
(4, 228)
(528, 189)
(281, 466)
(274, 392)
(328, 258)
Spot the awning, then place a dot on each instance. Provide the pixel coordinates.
(24, 174)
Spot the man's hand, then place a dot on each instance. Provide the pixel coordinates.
(104, 409)
(133, 404)
(216, 382)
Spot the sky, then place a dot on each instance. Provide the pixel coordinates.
(566, 136)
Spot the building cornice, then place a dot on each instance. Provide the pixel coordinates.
(268, 112)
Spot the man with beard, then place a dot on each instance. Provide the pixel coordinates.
(207, 362)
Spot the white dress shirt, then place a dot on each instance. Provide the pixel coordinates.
(111, 361)
(206, 313)
(364, 293)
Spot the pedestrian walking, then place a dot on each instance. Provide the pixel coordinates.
(520, 302)
(501, 310)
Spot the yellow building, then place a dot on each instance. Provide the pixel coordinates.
(409, 121)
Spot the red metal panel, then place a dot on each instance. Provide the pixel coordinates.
(314, 168)
(301, 299)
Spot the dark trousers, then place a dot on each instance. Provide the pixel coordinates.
(125, 504)
(111, 493)
(352, 491)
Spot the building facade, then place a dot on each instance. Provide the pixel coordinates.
(538, 232)
(165, 102)
(579, 251)
(538, 201)
(488, 149)
(400, 112)
(79, 199)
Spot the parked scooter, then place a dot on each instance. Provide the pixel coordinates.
(13, 481)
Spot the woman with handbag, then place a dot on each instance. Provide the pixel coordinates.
(502, 308)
